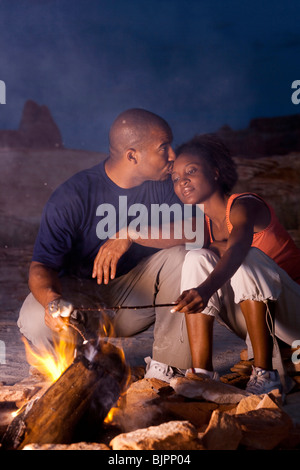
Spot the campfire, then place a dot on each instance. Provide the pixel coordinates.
(51, 364)
(85, 378)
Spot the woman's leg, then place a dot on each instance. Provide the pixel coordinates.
(197, 266)
(200, 333)
(257, 286)
(255, 313)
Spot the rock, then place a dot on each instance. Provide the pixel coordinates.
(243, 368)
(264, 136)
(292, 407)
(222, 433)
(244, 355)
(292, 442)
(139, 406)
(276, 179)
(236, 379)
(207, 389)
(76, 446)
(11, 139)
(263, 428)
(197, 413)
(174, 435)
(272, 400)
(37, 129)
(248, 404)
(22, 391)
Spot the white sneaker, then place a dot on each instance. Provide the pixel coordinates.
(263, 381)
(203, 373)
(158, 370)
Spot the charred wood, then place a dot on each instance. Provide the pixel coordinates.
(86, 390)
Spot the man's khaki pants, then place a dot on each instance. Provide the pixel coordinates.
(155, 279)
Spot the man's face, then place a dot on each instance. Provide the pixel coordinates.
(157, 155)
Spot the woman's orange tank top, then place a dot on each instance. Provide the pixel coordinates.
(274, 240)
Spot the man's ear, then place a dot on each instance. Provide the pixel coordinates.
(131, 156)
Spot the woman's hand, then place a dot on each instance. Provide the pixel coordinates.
(191, 301)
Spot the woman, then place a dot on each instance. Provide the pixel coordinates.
(248, 272)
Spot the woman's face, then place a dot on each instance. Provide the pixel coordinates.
(194, 181)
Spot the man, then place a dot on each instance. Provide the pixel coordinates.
(72, 261)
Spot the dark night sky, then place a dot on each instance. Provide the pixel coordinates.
(199, 64)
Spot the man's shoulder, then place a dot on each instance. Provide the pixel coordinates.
(95, 172)
(80, 180)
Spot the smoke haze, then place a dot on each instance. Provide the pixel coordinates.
(198, 64)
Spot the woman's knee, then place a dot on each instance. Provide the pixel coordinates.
(201, 256)
(256, 279)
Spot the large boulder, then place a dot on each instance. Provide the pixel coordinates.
(264, 137)
(37, 130)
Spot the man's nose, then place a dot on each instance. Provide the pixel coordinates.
(171, 155)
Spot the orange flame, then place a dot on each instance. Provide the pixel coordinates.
(110, 415)
(51, 364)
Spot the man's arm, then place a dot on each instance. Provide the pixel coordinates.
(43, 283)
(45, 287)
(105, 263)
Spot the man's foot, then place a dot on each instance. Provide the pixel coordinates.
(203, 373)
(158, 370)
(263, 381)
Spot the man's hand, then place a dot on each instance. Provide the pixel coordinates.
(55, 312)
(191, 301)
(105, 264)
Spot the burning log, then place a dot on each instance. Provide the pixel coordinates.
(90, 386)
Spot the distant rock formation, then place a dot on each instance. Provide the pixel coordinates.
(37, 129)
(264, 137)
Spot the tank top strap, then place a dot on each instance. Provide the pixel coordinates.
(235, 196)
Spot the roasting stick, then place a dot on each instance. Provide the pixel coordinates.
(119, 307)
(85, 341)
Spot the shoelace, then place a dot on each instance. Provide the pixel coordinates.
(257, 380)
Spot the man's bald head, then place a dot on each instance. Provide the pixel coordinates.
(132, 129)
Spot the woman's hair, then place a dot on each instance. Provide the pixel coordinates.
(215, 153)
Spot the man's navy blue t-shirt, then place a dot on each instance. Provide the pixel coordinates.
(67, 240)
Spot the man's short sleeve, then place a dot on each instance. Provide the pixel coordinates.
(55, 236)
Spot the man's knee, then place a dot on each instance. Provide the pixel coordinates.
(175, 254)
(31, 322)
(128, 323)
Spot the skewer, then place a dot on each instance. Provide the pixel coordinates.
(78, 331)
(119, 307)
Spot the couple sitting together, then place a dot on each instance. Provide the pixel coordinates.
(246, 274)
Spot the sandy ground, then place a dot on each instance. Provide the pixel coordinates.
(14, 263)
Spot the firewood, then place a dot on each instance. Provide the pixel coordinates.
(88, 387)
